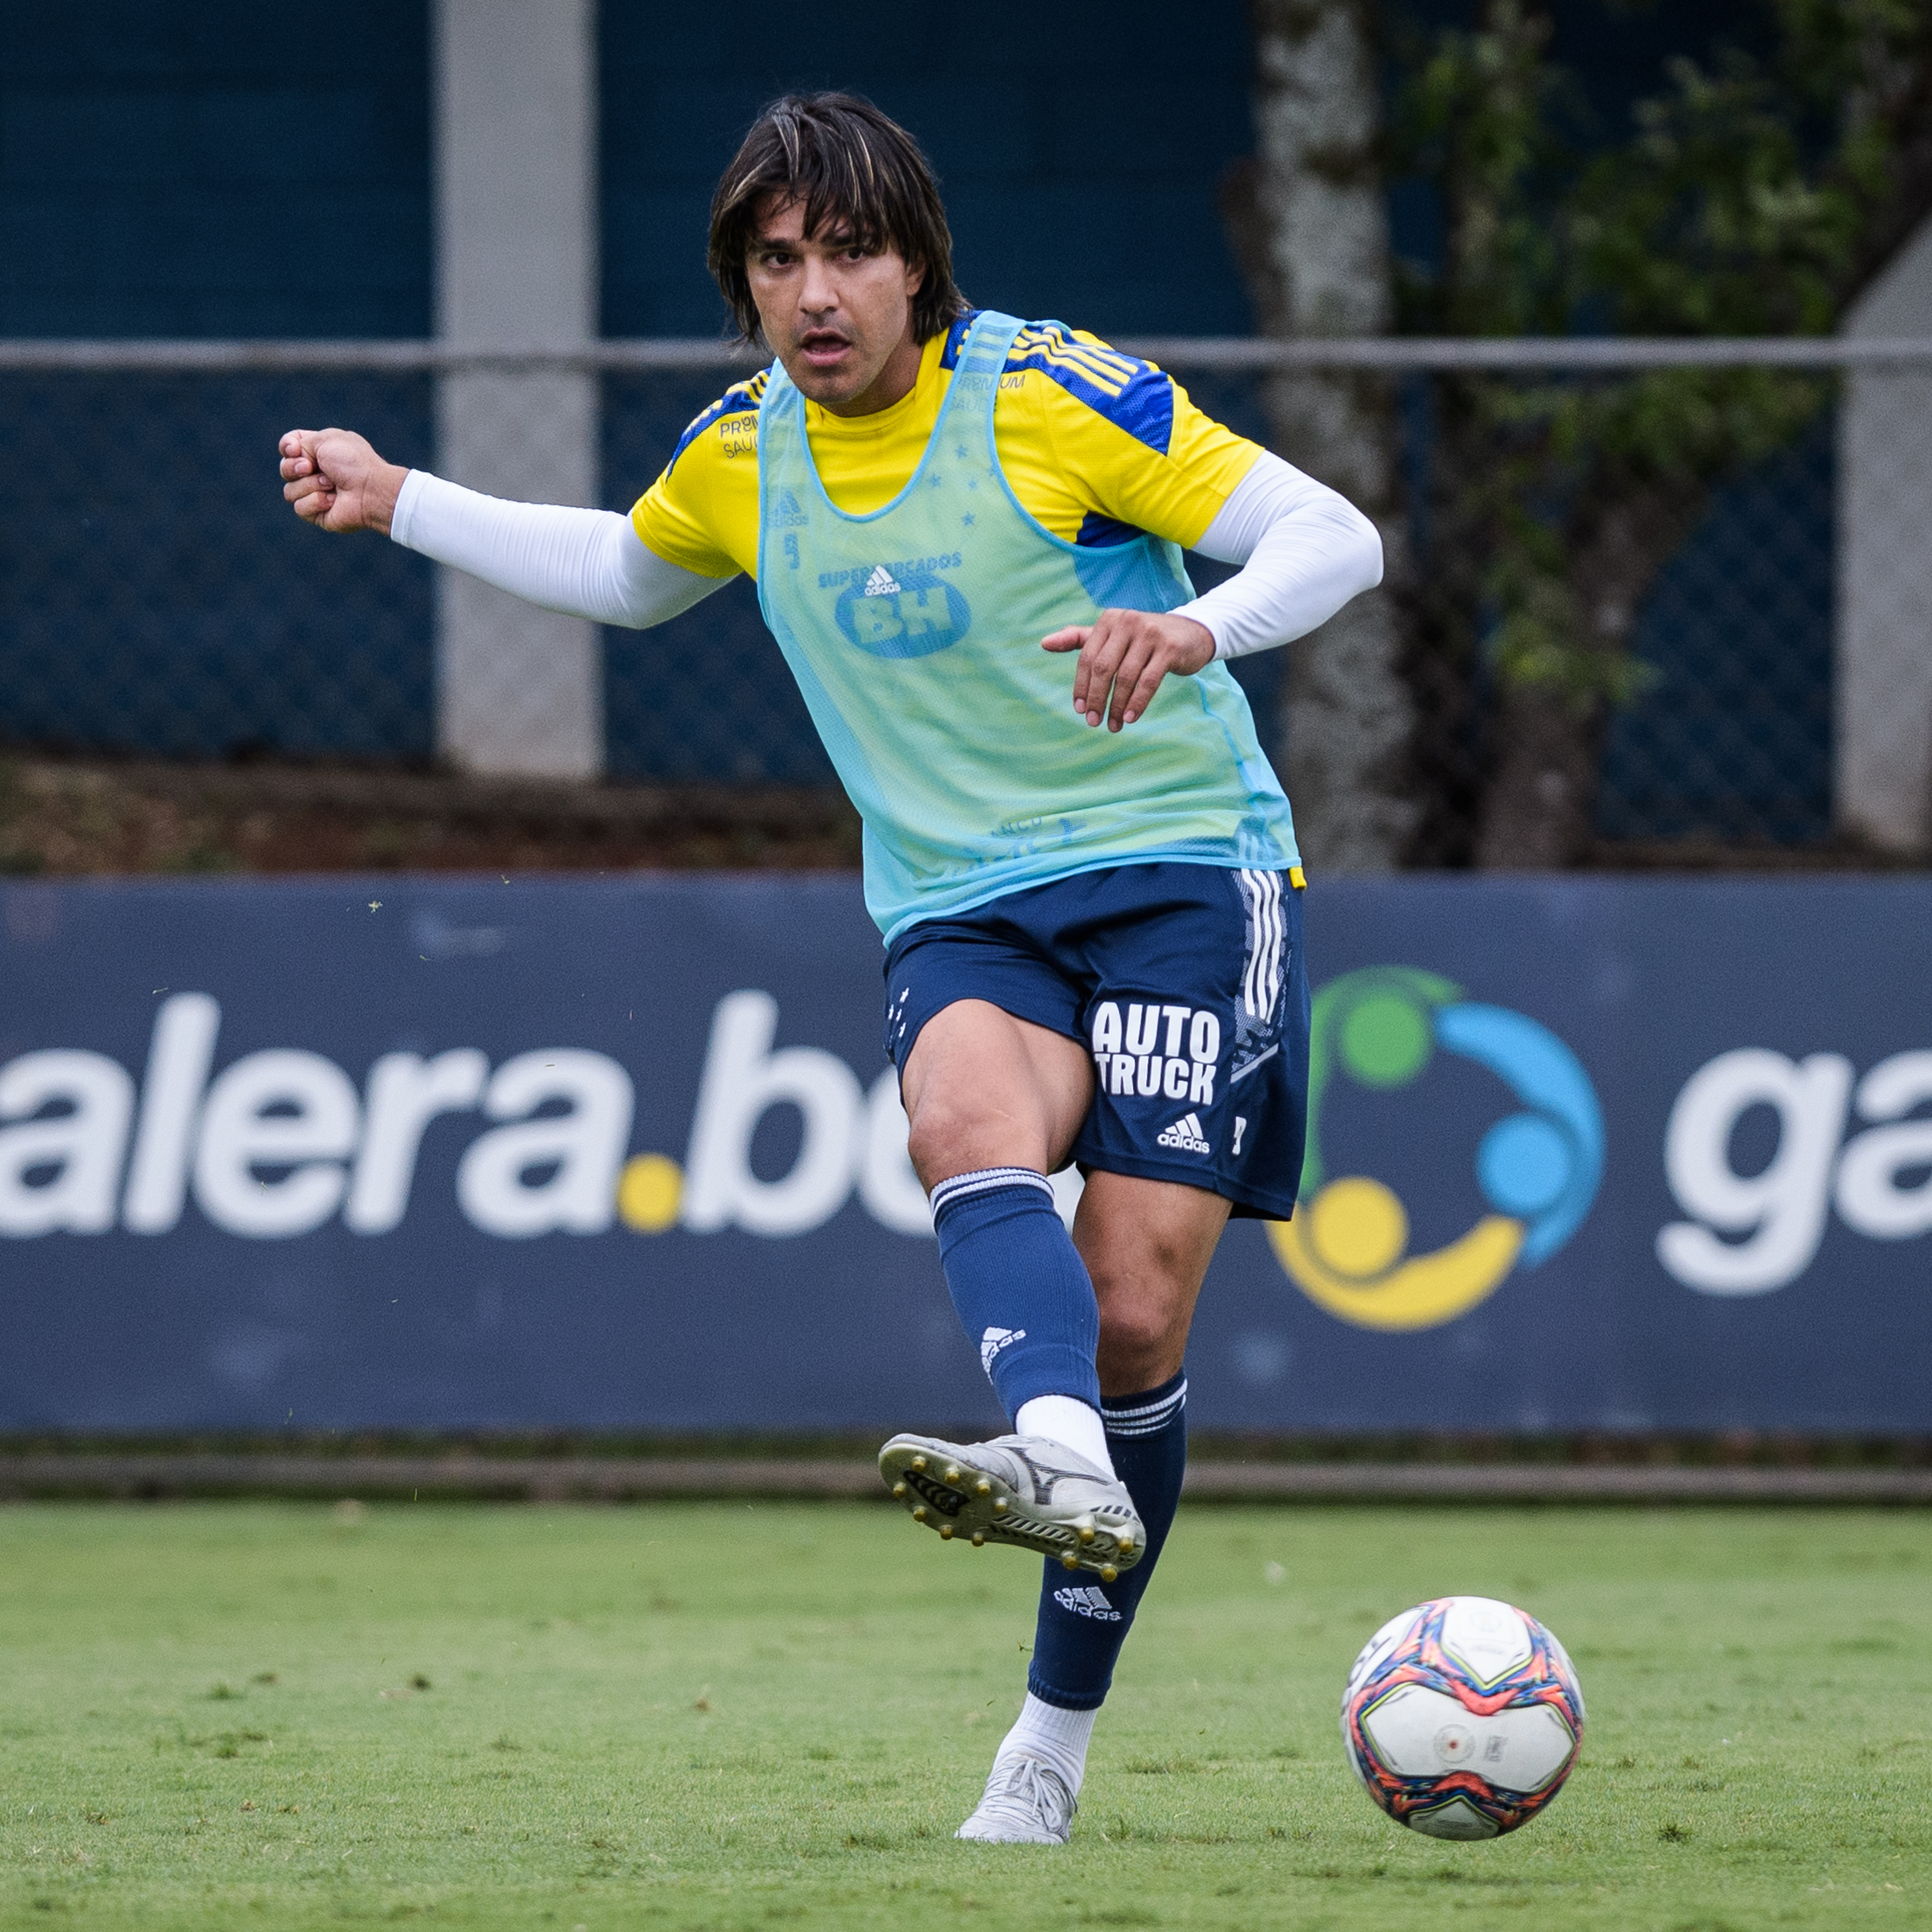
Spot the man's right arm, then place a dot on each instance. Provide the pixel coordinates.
(585, 563)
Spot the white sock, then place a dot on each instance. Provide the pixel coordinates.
(1072, 1424)
(1057, 1738)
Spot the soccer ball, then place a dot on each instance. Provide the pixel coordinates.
(1463, 1718)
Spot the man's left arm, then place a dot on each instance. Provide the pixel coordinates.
(1304, 551)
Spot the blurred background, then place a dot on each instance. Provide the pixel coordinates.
(1617, 316)
(1614, 315)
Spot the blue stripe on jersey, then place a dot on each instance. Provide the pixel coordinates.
(1131, 395)
(740, 399)
(1099, 533)
(956, 340)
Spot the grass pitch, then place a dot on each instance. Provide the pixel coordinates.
(712, 1716)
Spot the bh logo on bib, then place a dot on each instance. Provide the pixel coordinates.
(894, 612)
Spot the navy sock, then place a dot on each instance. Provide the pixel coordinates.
(1083, 1622)
(1021, 1290)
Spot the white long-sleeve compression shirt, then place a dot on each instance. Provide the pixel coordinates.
(585, 563)
(1304, 551)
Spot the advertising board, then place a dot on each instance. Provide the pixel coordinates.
(626, 1154)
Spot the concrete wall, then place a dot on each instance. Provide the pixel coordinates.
(520, 690)
(1883, 721)
(218, 169)
(1080, 153)
(221, 168)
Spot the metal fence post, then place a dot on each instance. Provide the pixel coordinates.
(519, 691)
(1883, 672)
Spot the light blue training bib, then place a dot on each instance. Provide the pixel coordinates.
(914, 633)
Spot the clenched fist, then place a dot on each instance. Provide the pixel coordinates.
(337, 481)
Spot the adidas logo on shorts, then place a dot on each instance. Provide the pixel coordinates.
(1087, 1600)
(1186, 1134)
(993, 1340)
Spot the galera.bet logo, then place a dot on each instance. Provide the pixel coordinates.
(1347, 1248)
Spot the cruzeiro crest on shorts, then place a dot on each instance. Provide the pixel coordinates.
(1259, 1008)
(899, 609)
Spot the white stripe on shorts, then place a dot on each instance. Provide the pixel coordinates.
(1263, 964)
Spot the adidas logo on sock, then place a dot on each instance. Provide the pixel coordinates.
(882, 583)
(1186, 1134)
(993, 1340)
(1087, 1600)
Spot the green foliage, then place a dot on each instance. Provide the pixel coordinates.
(1749, 193)
(1743, 199)
(1576, 489)
(1481, 117)
(1748, 196)
(715, 1716)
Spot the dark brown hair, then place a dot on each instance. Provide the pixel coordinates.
(849, 163)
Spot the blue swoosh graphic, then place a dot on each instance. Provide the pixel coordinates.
(1547, 1076)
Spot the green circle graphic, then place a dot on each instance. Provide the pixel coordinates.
(1386, 1040)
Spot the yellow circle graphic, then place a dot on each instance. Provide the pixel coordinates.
(1344, 1250)
(1357, 1228)
(650, 1191)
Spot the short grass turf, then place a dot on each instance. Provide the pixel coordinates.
(718, 1716)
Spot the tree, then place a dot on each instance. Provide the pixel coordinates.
(1311, 224)
(1754, 194)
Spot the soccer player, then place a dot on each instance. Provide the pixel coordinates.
(1085, 873)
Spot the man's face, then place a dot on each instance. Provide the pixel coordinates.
(835, 315)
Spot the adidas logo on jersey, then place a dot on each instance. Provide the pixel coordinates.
(1087, 1600)
(1186, 1134)
(993, 1340)
(882, 583)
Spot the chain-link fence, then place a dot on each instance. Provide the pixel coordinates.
(1639, 594)
(156, 595)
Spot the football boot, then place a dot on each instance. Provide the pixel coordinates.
(1025, 1804)
(1022, 1489)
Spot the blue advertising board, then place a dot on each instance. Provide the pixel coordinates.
(626, 1154)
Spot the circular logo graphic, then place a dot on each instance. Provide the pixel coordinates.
(1347, 1248)
(910, 613)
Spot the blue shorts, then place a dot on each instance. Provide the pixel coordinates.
(1186, 984)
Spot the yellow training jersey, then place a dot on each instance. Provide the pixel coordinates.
(1096, 445)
